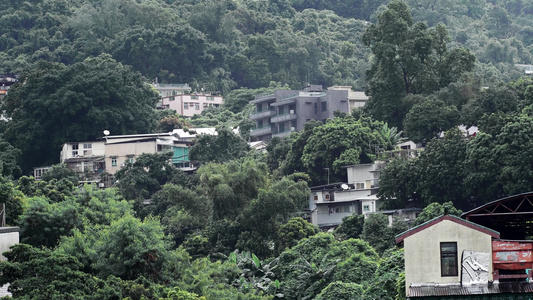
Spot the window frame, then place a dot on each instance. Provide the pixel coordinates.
(447, 255)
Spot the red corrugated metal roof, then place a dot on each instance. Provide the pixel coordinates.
(465, 290)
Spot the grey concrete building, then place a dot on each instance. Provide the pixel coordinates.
(286, 111)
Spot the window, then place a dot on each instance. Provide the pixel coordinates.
(366, 208)
(327, 197)
(185, 105)
(87, 146)
(448, 259)
(336, 210)
(75, 148)
(316, 108)
(280, 110)
(324, 106)
(130, 159)
(210, 98)
(205, 105)
(194, 97)
(171, 99)
(359, 185)
(197, 106)
(315, 197)
(281, 128)
(113, 161)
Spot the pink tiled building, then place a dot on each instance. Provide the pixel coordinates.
(190, 105)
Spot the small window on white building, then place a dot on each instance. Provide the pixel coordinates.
(366, 208)
(113, 161)
(315, 197)
(75, 148)
(359, 185)
(327, 197)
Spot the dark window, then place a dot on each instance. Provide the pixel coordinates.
(316, 108)
(448, 259)
(324, 106)
(280, 110)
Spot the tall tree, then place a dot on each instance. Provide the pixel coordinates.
(409, 58)
(53, 104)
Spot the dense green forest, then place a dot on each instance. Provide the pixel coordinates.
(236, 228)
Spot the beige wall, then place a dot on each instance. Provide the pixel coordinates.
(422, 251)
(9, 236)
(122, 150)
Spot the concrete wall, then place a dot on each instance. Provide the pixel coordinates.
(9, 236)
(422, 251)
(97, 149)
(190, 105)
(121, 151)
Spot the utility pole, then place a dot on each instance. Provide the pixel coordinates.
(328, 173)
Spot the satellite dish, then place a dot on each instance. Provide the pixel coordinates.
(344, 186)
(106, 132)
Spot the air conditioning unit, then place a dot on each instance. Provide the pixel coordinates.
(122, 164)
(291, 111)
(293, 128)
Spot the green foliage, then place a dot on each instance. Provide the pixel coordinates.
(223, 147)
(13, 199)
(385, 284)
(59, 103)
(59, 172)
(169, 122)
(426, 120)
(433, 177)
(435, 210)
(307, 268)
(127, 248)
(351, 227)
(342, 291)
(341, 142)
(290, 233)
(146, 175)
(8, 158)
(409, 58)
(377, 233)
(35, 273)
(43, 223)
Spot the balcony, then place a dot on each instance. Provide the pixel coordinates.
(262, 114)
(284, 117)
(261, 131)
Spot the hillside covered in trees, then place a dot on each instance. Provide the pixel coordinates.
(235, 228)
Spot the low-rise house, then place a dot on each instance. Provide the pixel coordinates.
(330, 203)
(189, 105)
(485, 254)
(84, 158)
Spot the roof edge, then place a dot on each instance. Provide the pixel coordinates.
(402, 236)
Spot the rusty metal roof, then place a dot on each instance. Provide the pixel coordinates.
(436, 290)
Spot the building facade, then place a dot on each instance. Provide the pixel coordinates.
(189, 105)
(286, 111)
(330, 203)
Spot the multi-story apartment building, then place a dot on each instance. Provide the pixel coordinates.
(287, 111)
(190, 105)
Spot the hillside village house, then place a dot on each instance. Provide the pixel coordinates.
(330, 203)
(190, 105)
(485, 254)
(91, 159)
(285, 111)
